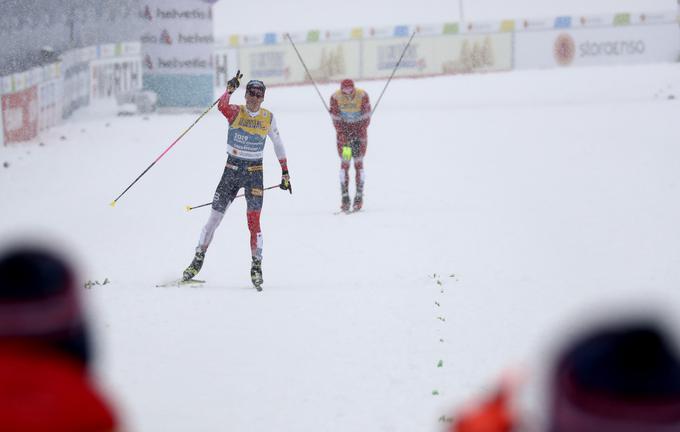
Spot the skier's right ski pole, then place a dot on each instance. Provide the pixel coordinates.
(113, 203)
(307, 70)
(189, 208)
(393, 72)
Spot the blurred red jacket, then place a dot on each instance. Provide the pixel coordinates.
(491, 415)
(42, 390)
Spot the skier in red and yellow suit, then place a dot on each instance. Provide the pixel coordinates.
(351, 114)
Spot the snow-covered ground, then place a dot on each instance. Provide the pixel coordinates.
(500, 210)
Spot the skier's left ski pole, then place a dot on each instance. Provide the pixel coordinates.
(113, 203)
(189, 208)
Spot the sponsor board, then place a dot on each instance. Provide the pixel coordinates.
(20, 115)
(380, 32)
(593, 21)
(49, 103)
(627, 44)
(446, 54)
(76, 85)
(482, 27)
(336, 35)
(379, 57)
(654, 18)
(328, 61)
(177, 49)
(112, 77)
(257, 39)
(278, 64)
(429, 29)
(530, 24)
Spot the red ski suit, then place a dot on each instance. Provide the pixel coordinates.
(351, 116)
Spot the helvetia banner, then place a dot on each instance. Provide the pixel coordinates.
(177, 46)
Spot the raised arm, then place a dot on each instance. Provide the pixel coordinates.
(228, 110)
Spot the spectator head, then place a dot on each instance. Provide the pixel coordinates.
(622, 377)
(39, 301)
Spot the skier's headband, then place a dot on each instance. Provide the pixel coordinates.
(256, 84)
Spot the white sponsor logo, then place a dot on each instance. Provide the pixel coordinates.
(612, 48)
(175, 63)
(184, 14)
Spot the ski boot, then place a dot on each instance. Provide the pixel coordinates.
(344, 205)
(194, 267)
(358, 202)
(256, 274)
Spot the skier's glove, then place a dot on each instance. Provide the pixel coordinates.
(235, 82)
(285, 182)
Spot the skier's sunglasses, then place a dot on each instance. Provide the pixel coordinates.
(256, 94)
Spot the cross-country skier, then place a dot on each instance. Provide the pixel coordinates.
(249, 127)
(351, 114)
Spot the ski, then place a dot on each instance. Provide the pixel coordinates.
(181, 282)
(348, 212)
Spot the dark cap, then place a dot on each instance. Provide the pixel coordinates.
(39, 301)
(623, 377)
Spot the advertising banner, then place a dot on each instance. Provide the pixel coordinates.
(436, 55)
(177, 52)
(20, 115)
(381, 55)
(50, 96)
(76, 76)
(112, 77)
(626, 44)
(278, 64)
(471, 53)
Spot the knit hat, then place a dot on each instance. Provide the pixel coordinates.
(347, 86)
(619, 378)
(39, 302)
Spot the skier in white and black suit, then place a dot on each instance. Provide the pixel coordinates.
(249, 127)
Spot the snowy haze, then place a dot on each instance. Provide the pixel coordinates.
(266, 15)
(500, 210)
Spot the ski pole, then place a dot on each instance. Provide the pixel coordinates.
(393, 72)
(189, 208)
(307, 70)
(113, 203)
